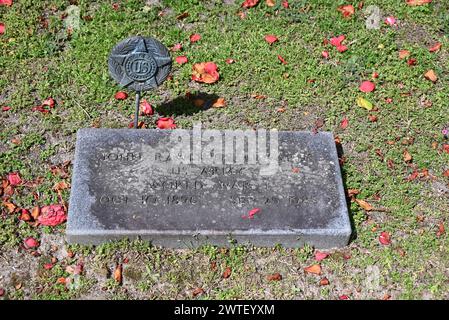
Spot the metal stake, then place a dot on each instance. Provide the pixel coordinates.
(136, 115)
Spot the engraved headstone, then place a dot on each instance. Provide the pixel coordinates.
(184, 188)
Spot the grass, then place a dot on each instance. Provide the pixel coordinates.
(40, 59)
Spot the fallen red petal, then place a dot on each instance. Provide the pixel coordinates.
(325, 54)
(435, 47)
(50, 102)
(6, 3)
(31, 243)
(249, 3)
(281, 59)
(14, 179)
(177, 47)
(2, 28)
(336, 41)
(271, 39)
(384, 238)
(48, 266)
(367, 86)
(146, 108)
(253, 212)
(342, 48)
(344, 123)
(181, 59)
(52, 215)
(320, 255)
(195, 37)
(165, 123)
(346, 10)
(121, 95)
(390, 20)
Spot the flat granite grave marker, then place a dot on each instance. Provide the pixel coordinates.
(184, 188)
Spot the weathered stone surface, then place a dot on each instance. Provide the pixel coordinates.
(125, 185)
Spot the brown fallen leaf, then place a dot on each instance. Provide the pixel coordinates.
(9, 206)
(431, 75)
(324, 282)
(407, 156)
(226, 273)
(403, 54)
(62, 185)
(219, 103)
(118, 274)
(364, 205)
(35, 212)
(441, 229)
(198, 291)
(274, 277)
(315, 269)
(417, 2)
(182, 16)
(353, 192)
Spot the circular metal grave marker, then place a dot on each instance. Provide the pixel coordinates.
(139, 64)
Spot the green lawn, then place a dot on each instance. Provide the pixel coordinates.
(39, 58)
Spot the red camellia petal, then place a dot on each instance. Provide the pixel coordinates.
(181, 59)
(146, 108)
(195, 37)
(253, 212)
(285, 4)
(281, 59)
(271, 39)
(435, 47)
(230, 61)
(344, 123)
(177, 47)
(30, 243)
(14, 179)
(6, 108)
(384, 238)
(52, 215)
(205, 72)
(320, 255)
(6, 3)
(165, 123)
(50, 102)
(121, 95)
(346, 10)
(342, 48)
(48, 266)
(367, 86)
(249, 3)
(2, 28)
(343, 297)
(325, 54)
(336, 41)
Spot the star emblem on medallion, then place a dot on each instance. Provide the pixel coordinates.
(139, 63)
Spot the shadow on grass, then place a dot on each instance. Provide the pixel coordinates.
(187, 105)
(348, 201)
